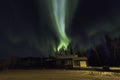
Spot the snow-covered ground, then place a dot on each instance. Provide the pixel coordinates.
(57, 75)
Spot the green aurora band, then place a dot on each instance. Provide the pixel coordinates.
(59, 15)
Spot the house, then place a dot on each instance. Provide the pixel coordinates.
(71, 61)
(65, 61)
(80, 62)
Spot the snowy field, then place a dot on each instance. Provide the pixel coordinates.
(57, 75)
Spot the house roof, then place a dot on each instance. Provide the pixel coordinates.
(81, 58)
(66, 57)
(74, 57)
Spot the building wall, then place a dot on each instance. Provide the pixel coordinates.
(83, 64)
(79, 64)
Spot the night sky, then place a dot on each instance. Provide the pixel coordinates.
(26, 27)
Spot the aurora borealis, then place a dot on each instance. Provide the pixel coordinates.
(60, 16)
(58, 12)
(36, 27)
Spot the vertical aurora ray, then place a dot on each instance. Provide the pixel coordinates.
(59, 14)
(58, 11)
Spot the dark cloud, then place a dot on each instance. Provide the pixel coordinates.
(93, 19)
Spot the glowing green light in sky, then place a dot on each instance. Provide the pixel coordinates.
(61, 13)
